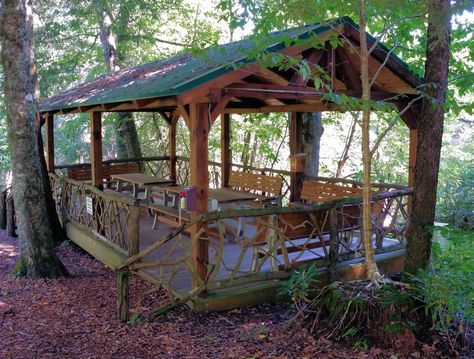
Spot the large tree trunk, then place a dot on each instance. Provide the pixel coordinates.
(55, 224)
(311, 131)
(128, 145)
(34, 232)
(430, 135)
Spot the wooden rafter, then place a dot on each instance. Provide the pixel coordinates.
(380, 55)
(347, 71)
(312, 60)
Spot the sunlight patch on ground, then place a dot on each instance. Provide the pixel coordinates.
(8, 249)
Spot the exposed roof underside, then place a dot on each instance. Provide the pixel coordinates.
(229, 76)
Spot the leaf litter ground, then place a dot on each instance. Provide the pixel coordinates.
(74, 317)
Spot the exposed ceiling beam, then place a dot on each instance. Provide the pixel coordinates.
(312, 60)
(349, 74)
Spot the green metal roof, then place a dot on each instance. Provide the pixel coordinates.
(178, 74)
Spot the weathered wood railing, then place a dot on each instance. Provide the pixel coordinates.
(269, 241)
(109, 217)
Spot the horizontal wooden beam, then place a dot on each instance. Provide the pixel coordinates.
(284, 108)
(266, 91)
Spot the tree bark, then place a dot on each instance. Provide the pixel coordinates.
(128, 144)
(430, 135)
(34, 231)
(58, 232)
(345, 153)
(3, 210)
(371, 265)
(311, 132)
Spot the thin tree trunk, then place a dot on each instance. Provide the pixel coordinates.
(34, 231)
(3, 210)
(345, 153)
(371, 265)
(430, 135)
(244, 158)
(312, 131)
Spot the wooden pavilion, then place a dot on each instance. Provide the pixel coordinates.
(225, 80)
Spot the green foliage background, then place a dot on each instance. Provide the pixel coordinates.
(69, 51)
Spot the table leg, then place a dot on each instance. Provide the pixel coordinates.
(135, 190)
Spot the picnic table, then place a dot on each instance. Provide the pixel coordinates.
(140, 181)
(221, 195)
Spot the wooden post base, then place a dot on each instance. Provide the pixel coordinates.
(123, 295)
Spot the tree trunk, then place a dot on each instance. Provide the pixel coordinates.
(11, 225)
(371, 265)
(311, 132)
(58, 232)
(34, 232)
(430, 135)
(126, 133)
(3, 210)
(345, 153)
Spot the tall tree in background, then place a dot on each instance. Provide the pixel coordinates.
(430, 135)
(34, 231)
(128, 144)
(312, 130)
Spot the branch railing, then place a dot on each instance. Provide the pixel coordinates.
(109, 217)
(253, 244)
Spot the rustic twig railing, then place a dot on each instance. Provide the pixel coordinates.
(244, 245)
(268, 242)
(110, 217)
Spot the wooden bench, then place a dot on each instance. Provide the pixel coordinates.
(168, 215)
(259, 184)
(314, 192)
(174, 218)
(84, 173)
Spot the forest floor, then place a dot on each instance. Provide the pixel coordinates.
(74, 317)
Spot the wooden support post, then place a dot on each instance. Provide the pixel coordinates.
(226, 154)
(96, 149)
(133, 226)
(172, 147)
(123, 295)
(3, 210)
(198, 159)
(11, 225)
(49, 130)
(333, 245)
(296, 180)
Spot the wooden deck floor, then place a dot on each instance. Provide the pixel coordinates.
(236, 254)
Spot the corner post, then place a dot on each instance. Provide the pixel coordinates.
(295, 147)
(226, 153)
(199, 130)
(49, 131)
(96, 149)
(172, 147)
